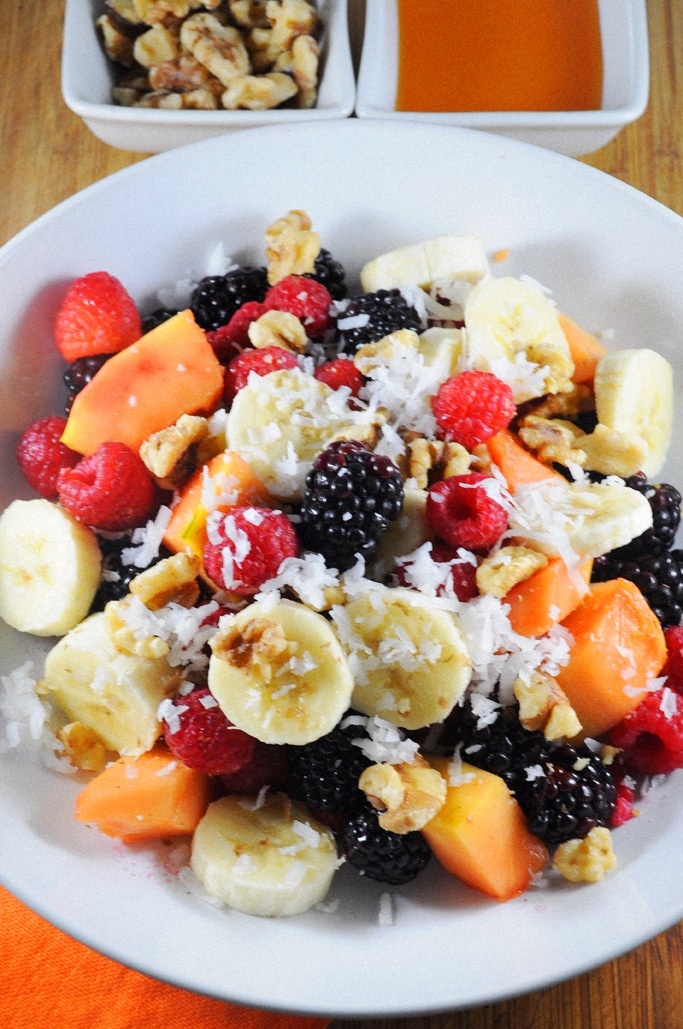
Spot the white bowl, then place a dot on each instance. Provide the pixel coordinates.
(611, 256)
(88, 77)
(623, 26)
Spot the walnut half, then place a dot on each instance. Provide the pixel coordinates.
(407, 794)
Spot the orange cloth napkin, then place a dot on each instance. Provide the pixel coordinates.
(48, 980)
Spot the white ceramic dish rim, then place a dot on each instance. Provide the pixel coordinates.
(84, 61)
(558, 217)
(372, 91)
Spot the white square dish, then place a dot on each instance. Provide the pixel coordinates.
(88, 77)
(623, 25)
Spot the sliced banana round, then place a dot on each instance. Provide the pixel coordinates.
(408, 657)
(583, 518)
(269, 859)
(508, 320)
(116, 693)
(279, 422)
(49, 568)
(279, 673)
(634, 395)
(422, 264)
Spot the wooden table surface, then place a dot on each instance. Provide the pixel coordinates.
(48, 154)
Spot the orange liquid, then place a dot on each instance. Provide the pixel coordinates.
(499, 55)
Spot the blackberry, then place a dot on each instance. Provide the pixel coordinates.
(351, 497)
(572, 792)
(324, 774)
(659, 578)
(79, 373)
(665, 501)
(386, 311)
(215, 298)
(156, 317)
(330, 273)
(387, 857)
(116, 576)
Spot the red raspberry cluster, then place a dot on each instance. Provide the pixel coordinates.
(246, 547)
(462, 513)
(472, 407)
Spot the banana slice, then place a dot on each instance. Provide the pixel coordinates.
(272, 859)
(279, 422)
(49, 568)
(408, 657)
(634, 395)
(585, 519)
(115, 693)
(422, 264)
(508, 318)
(279, 673)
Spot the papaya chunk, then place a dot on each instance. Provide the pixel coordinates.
(170, 371)
(618, 645)
(547, 596)
(584, 349)
(516, 464)
(153, 796)
(480, 835)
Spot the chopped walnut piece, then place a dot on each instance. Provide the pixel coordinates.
(219, 48)
(407, 794)
(156, 45)
(172, 580)
(118, 45)
(301, 62)
(258, 92)
(278, 329)
(575, 401)
(553, 439)
(261, 642)
(432, 458)
(291, 246)
(158, 12)
(82, 746)
(381, 351)
(182, 75)
(499, 572)
(287, 19)
(544, 705)
(249, 14)
(171, 454)
(586, 860)
(125, 638)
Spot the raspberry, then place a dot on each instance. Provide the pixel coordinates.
(340, 372)
(306, 298)
(463, 580)
(652, 735)
(246, 547)
(97, 316)
(111, 490)
(41, 456)
(261, 362)
(198, 734)
(472, 407)
(623, 807)
(230, 340)
(461, 512)
(673, 668)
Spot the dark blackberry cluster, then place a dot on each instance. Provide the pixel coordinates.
(386, 311)
(115, 575)
(156, 317)
(215, 298)
(324, 774)
(648, 560)
(351, 497)
(330, 273)
(387, 857)
(574, 791)
(79, 373)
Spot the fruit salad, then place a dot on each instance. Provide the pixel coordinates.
(384, 578)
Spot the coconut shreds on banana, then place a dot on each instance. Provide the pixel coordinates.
(287, 666)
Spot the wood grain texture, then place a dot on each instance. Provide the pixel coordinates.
(48, 154)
